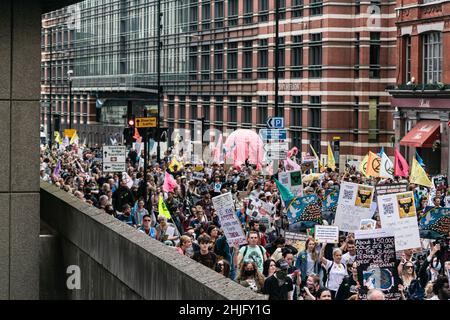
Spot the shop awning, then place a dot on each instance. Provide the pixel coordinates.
(423, 134)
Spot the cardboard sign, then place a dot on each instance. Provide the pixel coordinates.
(398, 212)
(326, 234)
(198, 175)
(375, 260)
(354, 204)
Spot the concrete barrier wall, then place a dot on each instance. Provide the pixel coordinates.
(118, 262)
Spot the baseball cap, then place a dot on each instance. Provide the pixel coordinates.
(268, 194)
(282, 264)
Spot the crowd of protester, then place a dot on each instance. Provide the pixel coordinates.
(268, 263)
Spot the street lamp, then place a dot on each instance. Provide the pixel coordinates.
(69, 78)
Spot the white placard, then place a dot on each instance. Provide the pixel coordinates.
(354, 204)
(326, 234)
(286, 179)
(398, 212)
(198, 175)
(224, 206)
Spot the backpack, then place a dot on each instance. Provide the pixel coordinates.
(415, 291)
(326, 273)
(246, 249)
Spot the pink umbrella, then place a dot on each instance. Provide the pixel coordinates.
(245, 144)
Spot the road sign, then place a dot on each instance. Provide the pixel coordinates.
(149, 122)
(276, 146)
(273, 134)
(114, 158)
(275, 123)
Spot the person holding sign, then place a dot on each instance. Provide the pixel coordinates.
(335, 270)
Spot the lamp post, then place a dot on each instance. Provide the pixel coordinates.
(158, 148)
(69, 78)
(50, 116)
(277, 36)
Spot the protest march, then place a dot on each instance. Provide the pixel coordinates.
(376, 231)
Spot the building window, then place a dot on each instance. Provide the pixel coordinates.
(262, 110)
(281, 57)
(373, 120)
(218, 14)
(263, 60)
(247, 110)
(218, 61)
(315, 55)
(247, 59)
(296, 111)
(219, 109)
(233, 6)
(282, 9)
(296, 140)
(205, 62)
(297, 8)
(374, 68)
(182, 108)
(279, 112)
(263, 10)
(314, 140)
(206, 16)
(315, 7)
(356, 119)
(407, 42)
(314, 112)
(248, 11)
(297, 57)
(193, 16)
(194, 114)
(432, 57)
(206, 108)
(171, 107)
(232, 108)
(357, 53)
(232, 61)
(193, 63)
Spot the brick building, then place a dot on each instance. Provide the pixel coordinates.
(421, 97)
(336, 59)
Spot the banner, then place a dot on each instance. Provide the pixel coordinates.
(434, 222)
(375, 260)
(398, 212)
(229, 222)
(304, 211)
(391, 188)
(329, 205)
(354, 204)
(326, 234)
(293, 181)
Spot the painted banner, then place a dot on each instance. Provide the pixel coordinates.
(293, 181)
(304, 211)
(354, 204)
(375, 260)
(434, 222)
(229, 222)
(329, 205)
(326, 234)
(398, 212)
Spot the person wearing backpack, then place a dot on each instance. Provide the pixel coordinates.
(336, 271)
(252, 251)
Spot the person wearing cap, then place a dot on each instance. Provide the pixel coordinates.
(279, 286)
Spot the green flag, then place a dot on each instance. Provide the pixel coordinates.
(286, 195)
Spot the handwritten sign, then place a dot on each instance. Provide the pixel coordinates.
(224, 206)
(326, 234)
(375, 260)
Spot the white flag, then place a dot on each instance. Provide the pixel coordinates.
(386, 167)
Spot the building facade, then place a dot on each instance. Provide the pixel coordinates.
(421, 97)
(335, 60)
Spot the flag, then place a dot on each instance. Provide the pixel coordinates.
(174, 163)
(58, 138)
(136, 135)
(305, 209)
(169, 183)
(321, 168)
(434, 223)
(363, 165)
(285, 193)
(331, 161)
(65, 143)
(57, 169)
(373, 165)
(419, 176)
(387, 167)
(290, 165)
(381, 152)
(420, 160)
(162, 208)
(401, 167)
(74, 139)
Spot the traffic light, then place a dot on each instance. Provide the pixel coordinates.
(128, 136)
(131, 122)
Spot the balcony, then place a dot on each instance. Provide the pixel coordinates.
(420, 89)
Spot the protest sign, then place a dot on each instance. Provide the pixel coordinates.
(198, 175)
(297, 240)
(375, 260)
(434, 222)
(440, 182)
(391, 188)
(293, 181)
(354, 204)
(224, 206)
(398, 212)
(329, 205)
(304, 211)
(367, 224)
(326, 234)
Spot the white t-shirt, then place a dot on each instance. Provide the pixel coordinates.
(336, 274)
(348, 259)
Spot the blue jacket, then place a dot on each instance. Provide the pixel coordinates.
(302, 263)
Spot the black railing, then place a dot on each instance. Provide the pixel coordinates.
(419, 87)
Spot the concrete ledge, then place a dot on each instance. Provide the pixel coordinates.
(145, 266)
